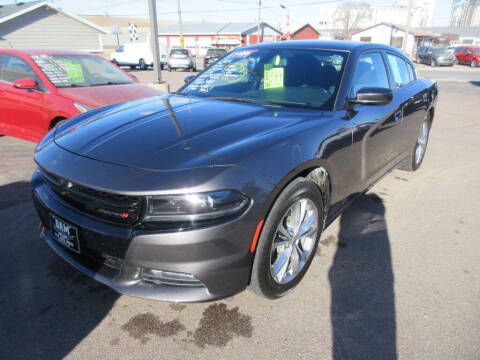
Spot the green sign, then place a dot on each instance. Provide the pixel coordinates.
(273, 77)
(74, 72)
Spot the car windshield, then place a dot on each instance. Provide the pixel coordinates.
(73, 70)
(273, 76)
(216, 52)
(442, 50)
(476, 51)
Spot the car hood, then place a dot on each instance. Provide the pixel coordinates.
(98, 96)
(171, 132)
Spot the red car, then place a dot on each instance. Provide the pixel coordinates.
(469, 55)
(39, 88)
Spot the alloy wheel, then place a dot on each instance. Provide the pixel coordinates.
(421, 143)
(294, 241)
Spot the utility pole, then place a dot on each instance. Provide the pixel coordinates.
(407, 30)
(259, 18)
(180, 24)
(157, 79)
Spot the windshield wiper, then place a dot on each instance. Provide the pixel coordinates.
(71, 85)
(242, 99)
(111, 83)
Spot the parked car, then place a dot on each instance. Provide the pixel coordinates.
(39, 88)
(138, 54)
(181, 59)
(468, 55)
(434, 56)
(213, 55)
(452, 49)
(229, 182)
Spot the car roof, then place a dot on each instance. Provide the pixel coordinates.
(342, 45)
(41, 51)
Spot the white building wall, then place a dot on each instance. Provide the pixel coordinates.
(383, 34)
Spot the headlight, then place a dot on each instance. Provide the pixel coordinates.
(82, 107)
(195, 207)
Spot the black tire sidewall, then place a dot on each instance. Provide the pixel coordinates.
(261, 274)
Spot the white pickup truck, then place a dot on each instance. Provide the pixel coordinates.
(137, 54)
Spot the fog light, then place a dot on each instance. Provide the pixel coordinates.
(169, 278)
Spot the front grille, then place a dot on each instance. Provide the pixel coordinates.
(123, 209)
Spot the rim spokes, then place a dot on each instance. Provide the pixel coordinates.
(294, 240)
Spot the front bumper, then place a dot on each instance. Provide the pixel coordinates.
(218, 256)
(445, 62)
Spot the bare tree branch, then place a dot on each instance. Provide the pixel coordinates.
(350, 15)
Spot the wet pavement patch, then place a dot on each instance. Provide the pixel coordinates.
(177, 307)
(328, 240)
(219, 325)
(142, 325)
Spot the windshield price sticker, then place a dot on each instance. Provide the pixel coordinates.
(51, 69)
(273, 77)
(74, 72)
(234, 72)
(59, 72)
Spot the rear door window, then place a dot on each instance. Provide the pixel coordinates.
(399, 70)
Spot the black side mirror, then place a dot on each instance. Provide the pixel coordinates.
(373, 96)
(188, 79)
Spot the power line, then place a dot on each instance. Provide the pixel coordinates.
(213, 11)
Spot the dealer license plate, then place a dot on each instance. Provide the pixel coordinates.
(65, 233)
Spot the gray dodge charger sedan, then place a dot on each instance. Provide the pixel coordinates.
(229, 182)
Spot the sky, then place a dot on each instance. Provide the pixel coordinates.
(223, 10)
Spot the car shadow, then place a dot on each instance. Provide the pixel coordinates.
(361, 280)
(48, 307)
(476, 83)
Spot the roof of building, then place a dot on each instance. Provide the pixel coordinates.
(213, 29)
(473, 31)
(303, 27)
(9, 12)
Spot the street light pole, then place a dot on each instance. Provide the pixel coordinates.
(258, 22)
(180, 23)
(407, 30)
(288, 20)
(157, 73)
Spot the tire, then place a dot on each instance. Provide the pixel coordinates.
(271, 281)
(191, 69)
(433, 63)
(114, 61)
(473, 63)
(133, 67)
(142, 64)
(415, 159)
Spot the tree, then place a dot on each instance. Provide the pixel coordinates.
(350, 15)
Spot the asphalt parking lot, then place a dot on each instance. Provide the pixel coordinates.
(397, 276)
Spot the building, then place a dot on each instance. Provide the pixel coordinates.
(420, 15)
(306, 32)
(199, 37)
(465, 13)
(40, 24)
(390, 34)
(394, 35)
(453, 35)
